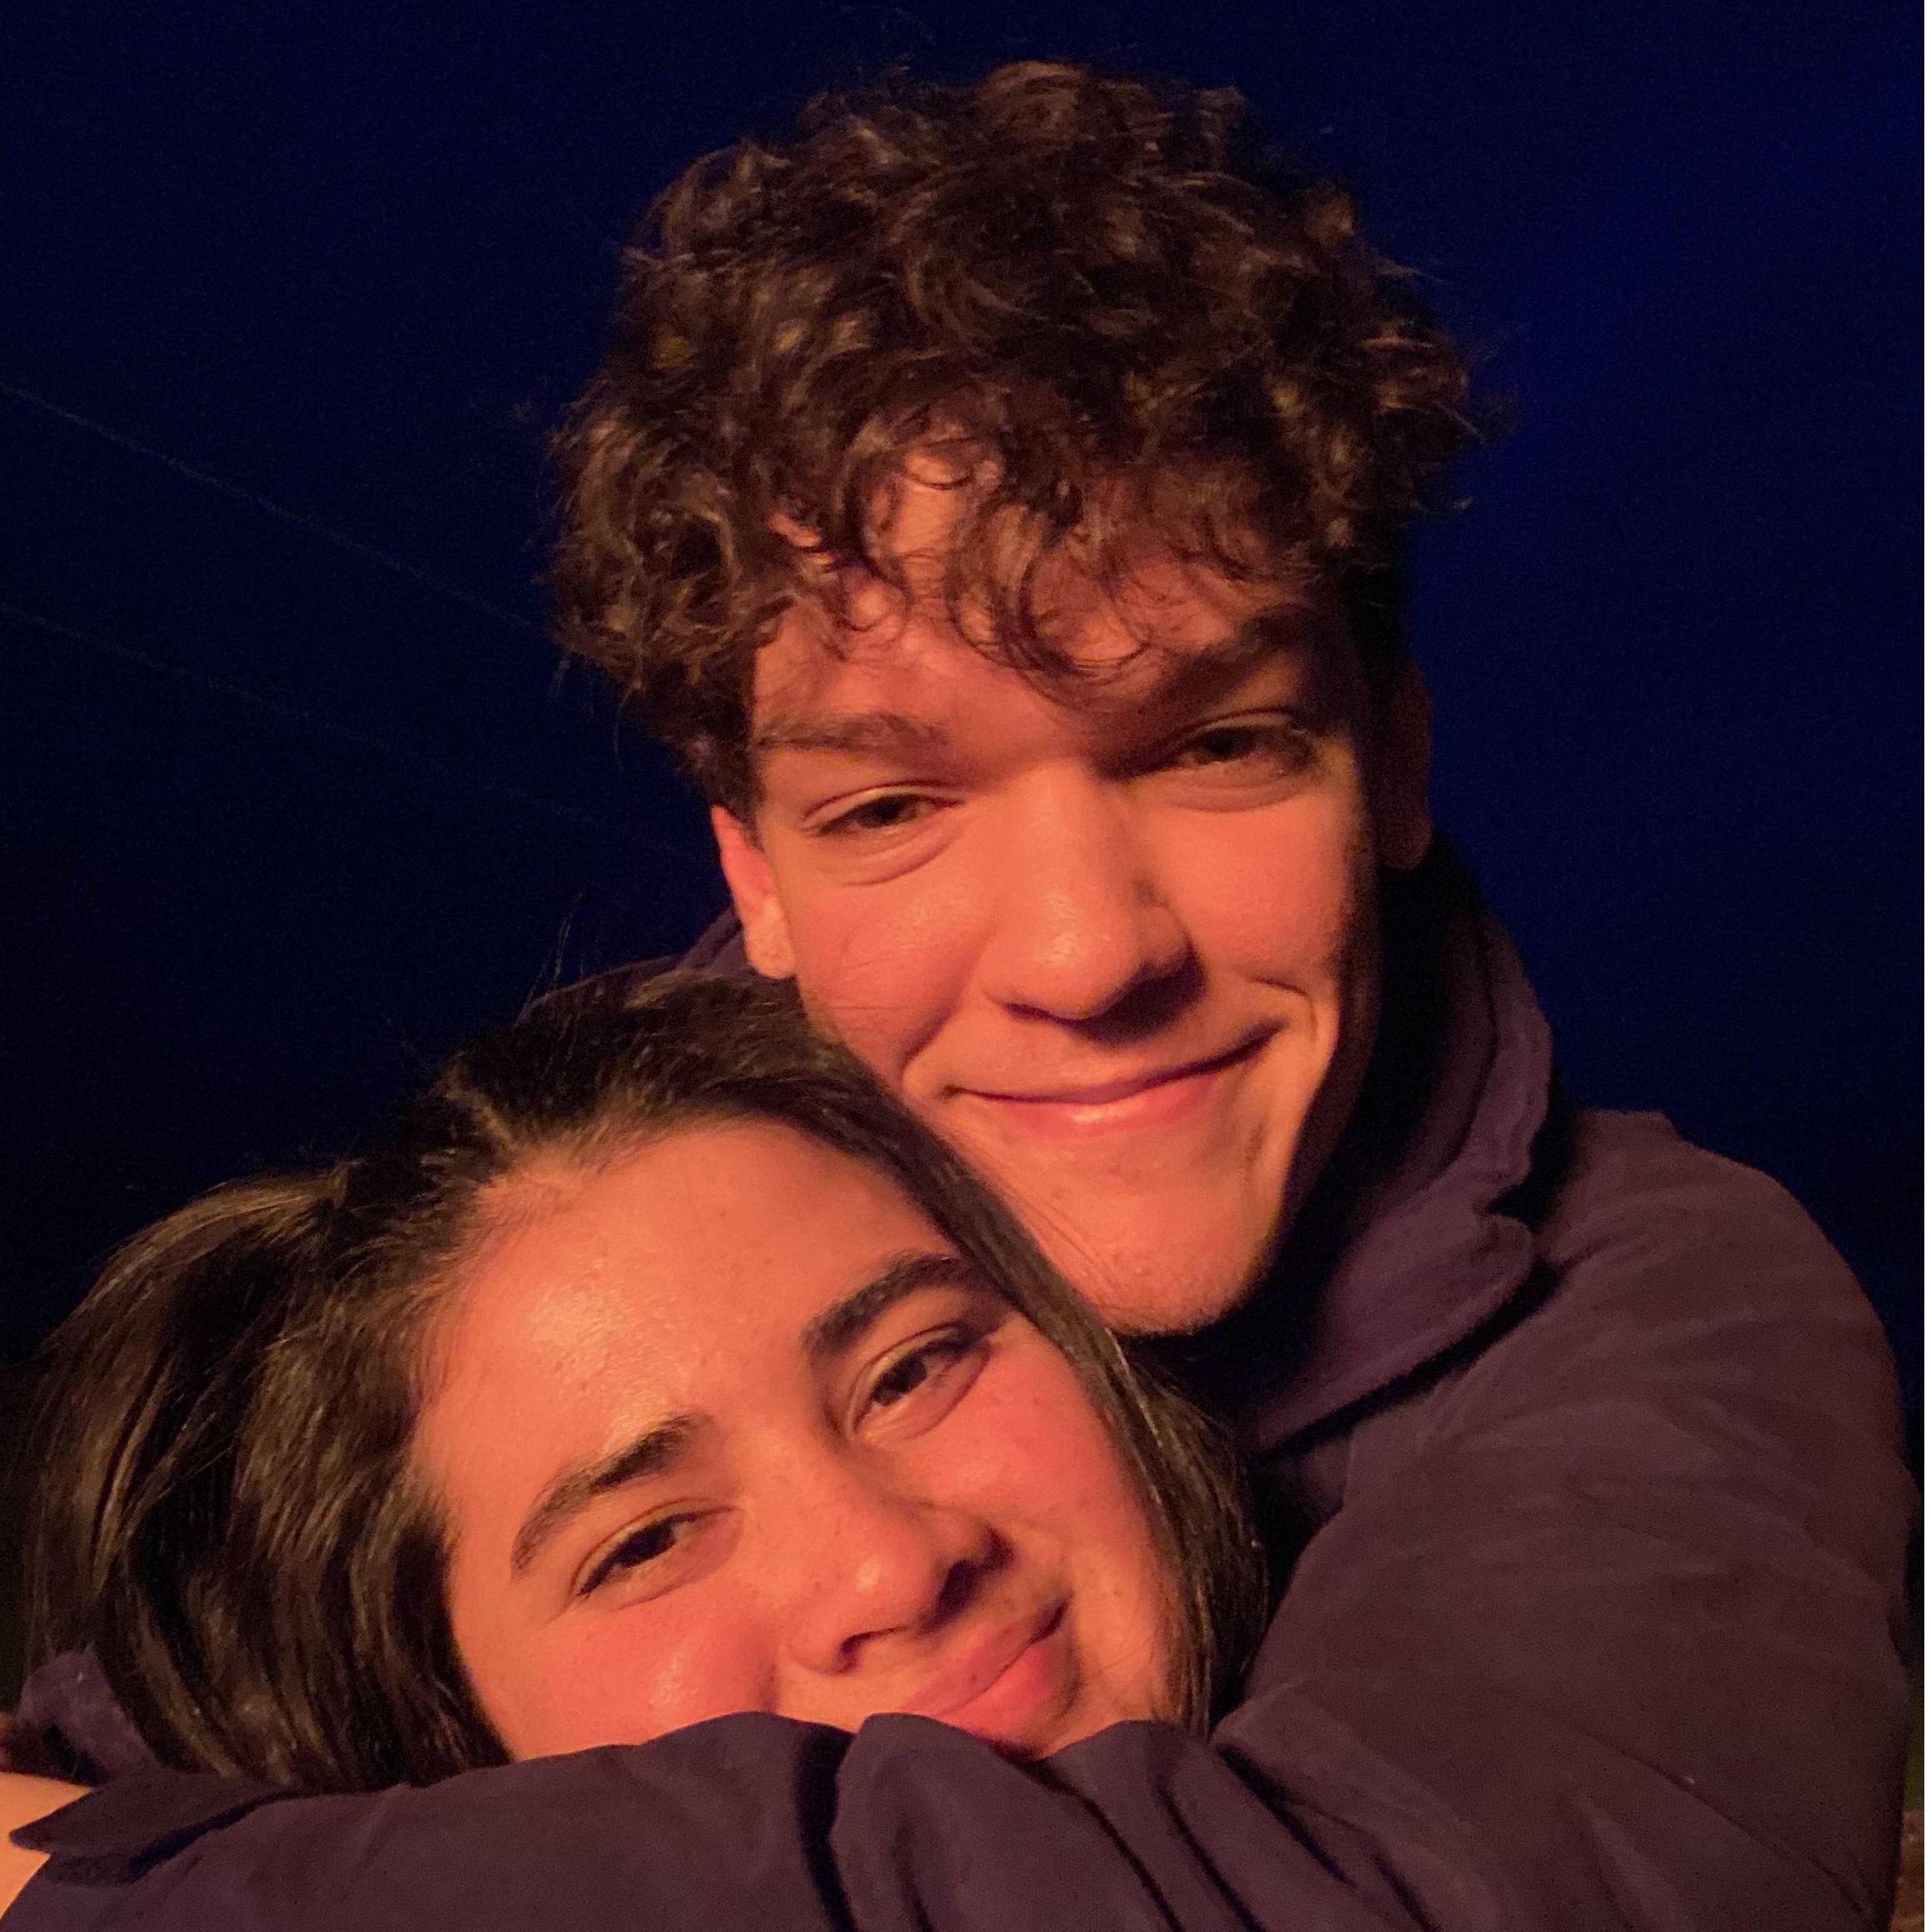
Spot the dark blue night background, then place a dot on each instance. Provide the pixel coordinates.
(296, 792)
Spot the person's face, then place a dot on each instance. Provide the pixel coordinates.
(726, 1426)
(1120, 950)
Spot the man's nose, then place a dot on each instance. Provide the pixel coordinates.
(874, 1562)
(1081, 918)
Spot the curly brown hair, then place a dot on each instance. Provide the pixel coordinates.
(1103, 296)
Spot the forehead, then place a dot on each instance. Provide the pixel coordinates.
(634, 1281)
(1169, 638)
(1103, 648)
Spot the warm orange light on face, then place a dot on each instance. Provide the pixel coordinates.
(1118, 945)
(724, 1427)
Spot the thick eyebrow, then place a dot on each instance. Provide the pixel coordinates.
(1191, 679)
(838, 1326)
(861, 733)
(1188, 677)
(649, 1454)
(1193, 683)
(1212, 667)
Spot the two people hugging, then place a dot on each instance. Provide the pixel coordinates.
(1073, 1365)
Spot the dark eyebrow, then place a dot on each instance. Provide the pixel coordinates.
(580, 1485)
(843, 1322)
(878, 733)
(1188, 677)
(1212, 668)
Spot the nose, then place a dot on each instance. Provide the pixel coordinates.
(873, 1563)
(1081, 918)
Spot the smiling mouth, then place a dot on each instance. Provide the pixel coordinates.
(1006, 1682)
(1150, 1098)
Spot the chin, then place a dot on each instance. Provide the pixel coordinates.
(1159, 1291)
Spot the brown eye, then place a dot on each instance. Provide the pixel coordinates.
(1217, 746)
(644, 1545)
(1273, 742)
(920, 1386)
(910, 1372)
(889, 811)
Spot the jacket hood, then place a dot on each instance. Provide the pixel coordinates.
(1417, 1232)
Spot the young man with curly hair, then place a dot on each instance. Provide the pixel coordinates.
(997, 493)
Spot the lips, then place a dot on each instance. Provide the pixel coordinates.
(1150, 1097)
(1007, 1682)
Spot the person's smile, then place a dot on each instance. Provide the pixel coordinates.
(1156, 1097)
(1011, 1685)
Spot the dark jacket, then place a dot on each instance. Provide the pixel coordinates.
(1579, 1450)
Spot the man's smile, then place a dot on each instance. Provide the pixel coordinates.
(1154, 1097)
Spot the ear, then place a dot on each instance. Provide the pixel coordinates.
(747, 872)
(1404, 827)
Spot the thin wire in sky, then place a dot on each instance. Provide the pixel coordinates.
(297, 519)
(328, 728)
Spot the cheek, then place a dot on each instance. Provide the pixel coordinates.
(1038, 1458)
(1067, 1484)
(1283, 902)
(630, 1676)
(881, 967)
(621, 1676)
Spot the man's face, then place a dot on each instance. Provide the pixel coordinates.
(1116, 944)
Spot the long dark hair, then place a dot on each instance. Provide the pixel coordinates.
(229, 1514)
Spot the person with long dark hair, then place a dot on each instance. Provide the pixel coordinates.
(658, 1366)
